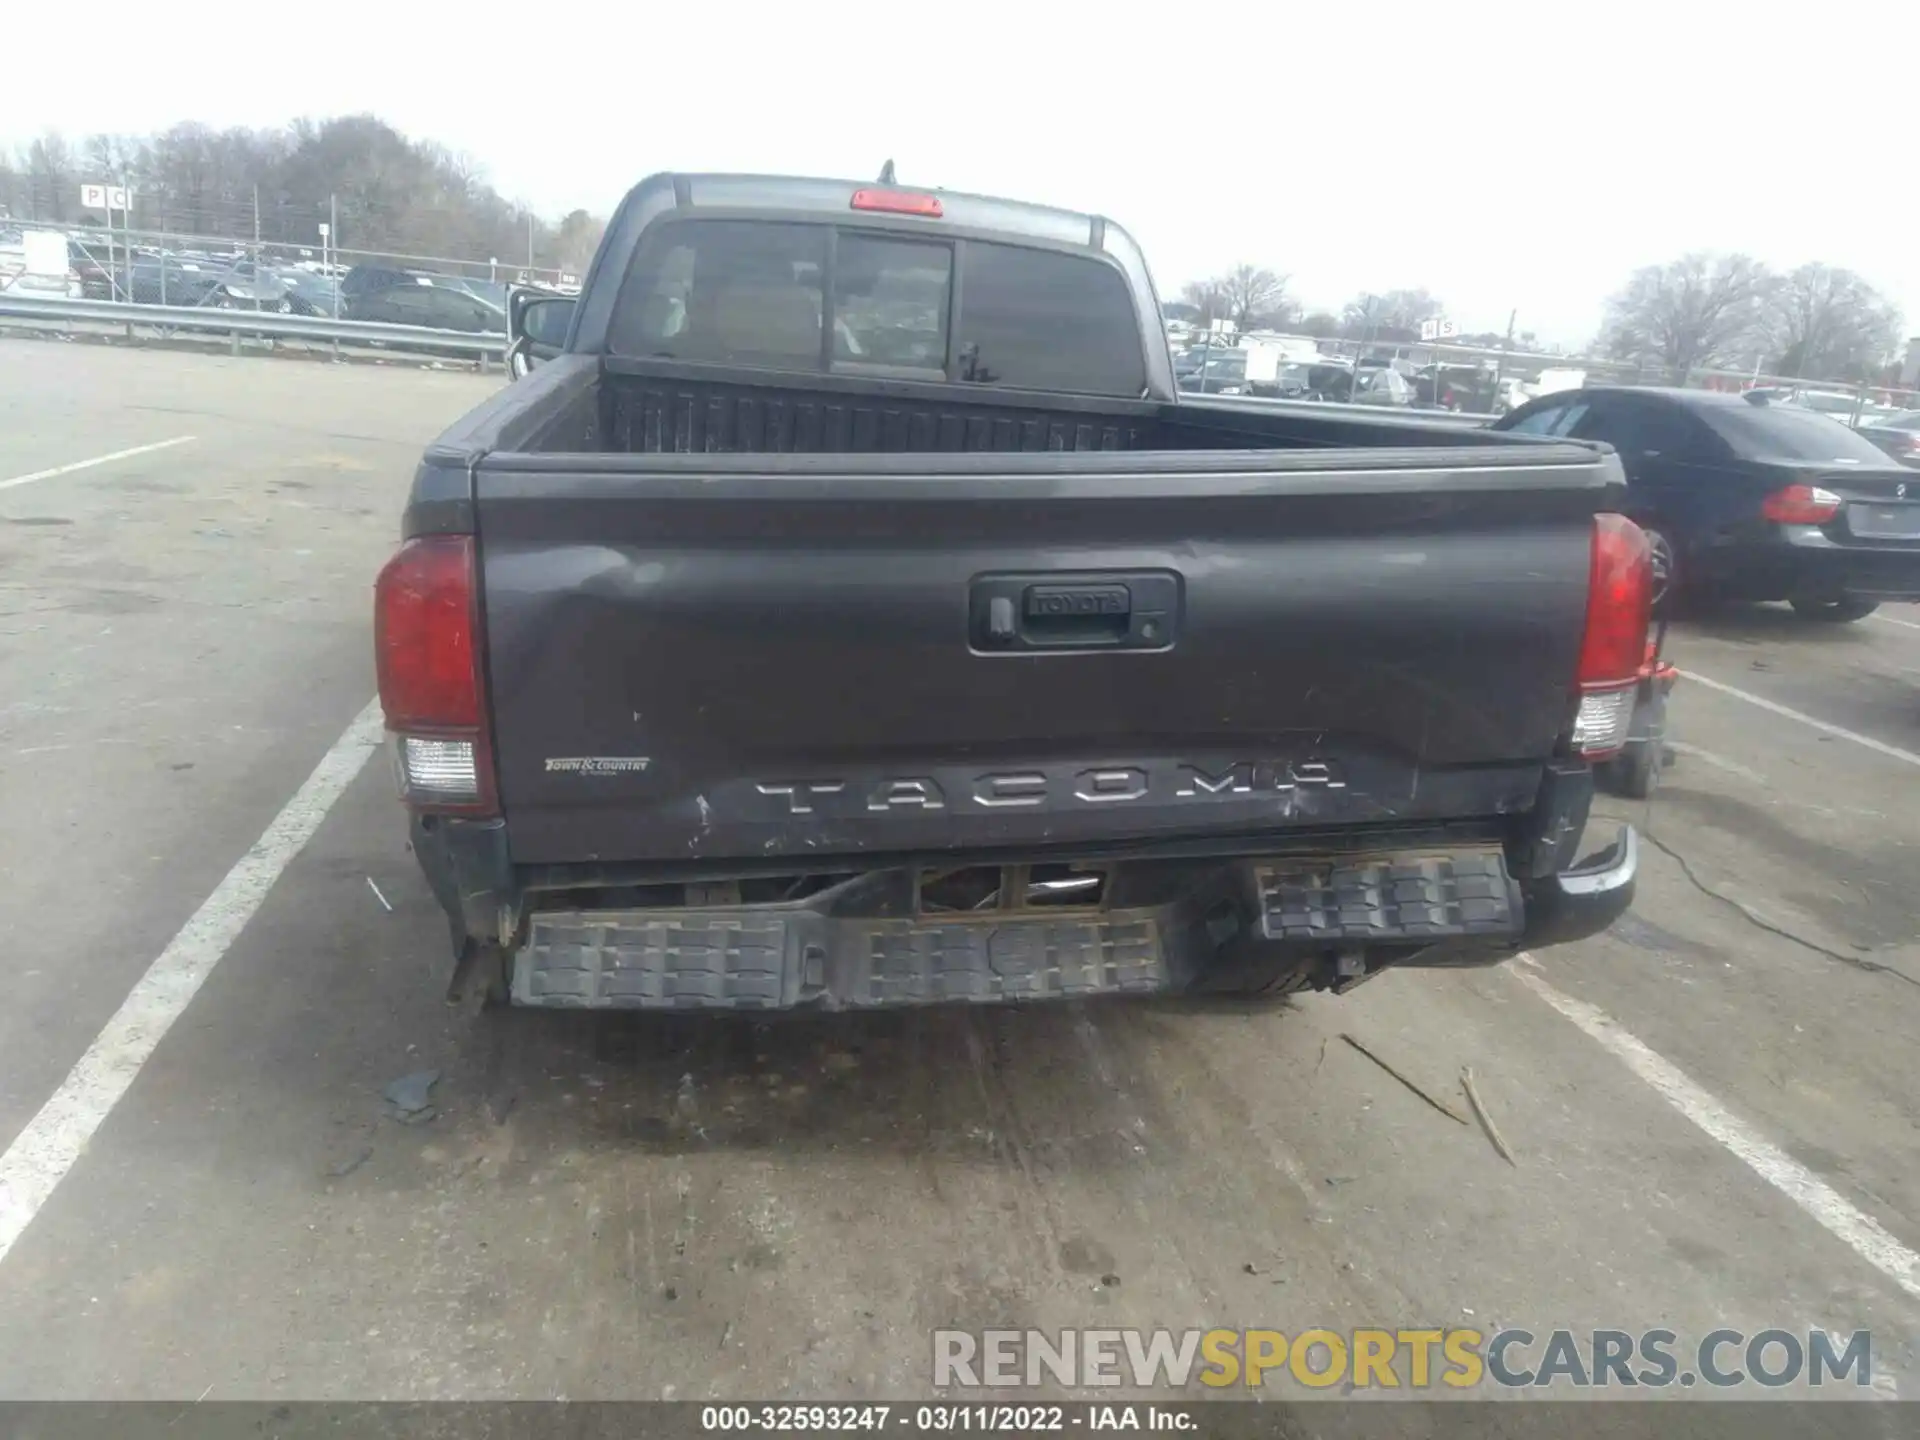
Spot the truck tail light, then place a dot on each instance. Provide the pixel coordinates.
(1801, 505)
(1614, 645)
(426, 644)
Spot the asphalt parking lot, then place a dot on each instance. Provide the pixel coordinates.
(1711, 1108)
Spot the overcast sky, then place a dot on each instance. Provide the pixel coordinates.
(1517, 156)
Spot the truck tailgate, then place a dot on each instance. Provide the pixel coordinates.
(814, 656)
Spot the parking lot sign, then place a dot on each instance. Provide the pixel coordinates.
(1438, 329)
(103, 197)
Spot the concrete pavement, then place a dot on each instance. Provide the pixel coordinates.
(707, 1208)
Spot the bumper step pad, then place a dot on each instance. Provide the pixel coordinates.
(687, 959)
(1400, 898)
(785, 958)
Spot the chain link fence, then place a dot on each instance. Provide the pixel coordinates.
(185, 269)
(1523, 374)
(262, 255)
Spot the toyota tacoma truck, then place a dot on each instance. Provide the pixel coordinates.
(846, 610)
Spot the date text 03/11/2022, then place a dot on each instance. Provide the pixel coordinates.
(943, 1418)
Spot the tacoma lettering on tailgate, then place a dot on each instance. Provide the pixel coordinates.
(1035, 789)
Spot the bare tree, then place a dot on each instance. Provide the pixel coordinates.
(1827, 323)
(1207, 297)
(52, 178)
(1701, 309)
(112, 159)
(577, 237)
(13, 188)
(383, 192)
(1407, 310)
(1364, 315)
(1394, 315)
(1254, 297)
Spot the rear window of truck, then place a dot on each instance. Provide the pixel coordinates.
(810, 297)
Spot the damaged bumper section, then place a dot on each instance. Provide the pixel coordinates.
(907, 937)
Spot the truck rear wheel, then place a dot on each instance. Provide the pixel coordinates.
(482, 977)
(1635, 774)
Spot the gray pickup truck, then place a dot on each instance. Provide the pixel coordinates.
(845, 610)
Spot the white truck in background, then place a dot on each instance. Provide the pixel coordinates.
(35, 263)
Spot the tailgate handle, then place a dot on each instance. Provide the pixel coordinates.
(1076, 614)
(1013, 614)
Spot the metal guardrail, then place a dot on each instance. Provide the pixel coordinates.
(216, 320)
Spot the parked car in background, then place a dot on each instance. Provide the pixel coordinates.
(1898, 434)
(366, 279)
(153, 279)
(88, 260)
(307, 292)
(1455, 387)
(436, 306)
(1314, 380)
(1380, 385)
(494, 292)
(243, 285)
(1841, 405)
(1750, 501)
(1219, 372)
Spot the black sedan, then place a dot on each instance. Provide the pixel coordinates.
(1746, 501)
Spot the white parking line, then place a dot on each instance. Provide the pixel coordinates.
(1826, 727)
(96, 460)
(43, 1153)
(1866, 1236)
(1719, 762)
(1890, 620)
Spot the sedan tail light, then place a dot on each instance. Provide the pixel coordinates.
(427, 650)
(1614, 645)
(1801, 505)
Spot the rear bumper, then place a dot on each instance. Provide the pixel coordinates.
(1883, 574)
(1810, 562)
(1323, 923)
(1584, 901)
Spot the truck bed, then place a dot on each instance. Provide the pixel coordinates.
(713, 632)
(648, 408)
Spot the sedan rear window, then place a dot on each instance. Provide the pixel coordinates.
(1785, 432)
